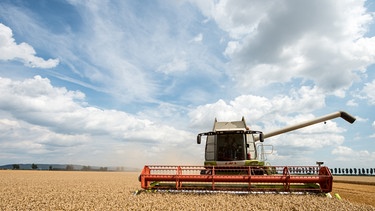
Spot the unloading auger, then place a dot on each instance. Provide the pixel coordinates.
(235, 162)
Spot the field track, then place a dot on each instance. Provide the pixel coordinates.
(365, 180)
(77, 190)
(359, 189)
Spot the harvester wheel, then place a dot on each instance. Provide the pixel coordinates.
(206, 172)
(257, 171)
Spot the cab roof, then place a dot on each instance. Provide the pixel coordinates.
(225, 126)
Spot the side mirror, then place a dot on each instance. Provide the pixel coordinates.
(261, 137)
(199, 139)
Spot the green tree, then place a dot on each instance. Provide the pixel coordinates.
(103, 169)
(16, 166)
(86, 168)
(34, 166)
(69, 167)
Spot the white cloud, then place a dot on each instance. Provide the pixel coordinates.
(278, 41)
(352, 157)
(342, 151)
(176, 65)
(42, 119)
(231, 47)
(368, 92)
(22, 142)
(198, 38)
(259, 109)
(240, 18)
(351, 103)
(10, 50)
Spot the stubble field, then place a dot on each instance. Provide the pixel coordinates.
(359, 189)
(53, 190)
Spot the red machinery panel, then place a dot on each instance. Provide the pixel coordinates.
(251, 179)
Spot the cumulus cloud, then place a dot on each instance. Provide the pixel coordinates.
(352, 157)
(44, 119)
(368, 92)
(257, 108)
(36, 101)
(278, 41)
(342, 151)
(238, 19)
(10, 50)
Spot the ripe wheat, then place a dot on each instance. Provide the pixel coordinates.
(55, 190)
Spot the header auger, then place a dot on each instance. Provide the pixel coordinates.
(235, 162)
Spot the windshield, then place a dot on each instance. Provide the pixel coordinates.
(230, 147)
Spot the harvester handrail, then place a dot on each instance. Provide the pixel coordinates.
(199, 136)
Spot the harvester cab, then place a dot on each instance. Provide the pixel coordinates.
(235, 162)
(233, 144)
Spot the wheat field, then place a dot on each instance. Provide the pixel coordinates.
(75, 190)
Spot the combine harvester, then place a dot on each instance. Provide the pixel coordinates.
(235, 163)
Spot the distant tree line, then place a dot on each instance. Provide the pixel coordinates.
(17, 166)
(84, 168)
(353, 171)
(67, 168)
(334, 171)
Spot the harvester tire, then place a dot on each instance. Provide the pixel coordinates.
(257, 171)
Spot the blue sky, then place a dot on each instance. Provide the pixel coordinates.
(129, 83)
